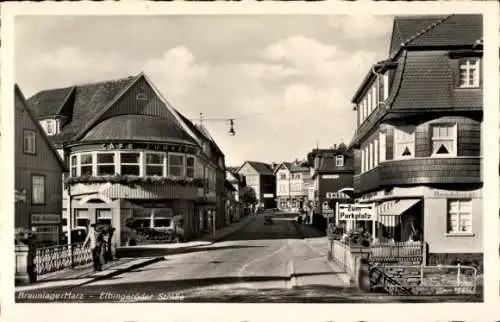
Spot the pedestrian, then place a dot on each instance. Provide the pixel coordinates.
(110, 243)
(92, 241)
(105, 250)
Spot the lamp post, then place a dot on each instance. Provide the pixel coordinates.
(70, 224)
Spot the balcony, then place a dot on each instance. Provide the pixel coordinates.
(420, 171)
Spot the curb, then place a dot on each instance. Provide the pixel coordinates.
(119, 271)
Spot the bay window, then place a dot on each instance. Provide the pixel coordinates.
(444, 139)
(86, 161)
(130, 163)
(190, 165)
(155, 164)
(404, 142)
(176, 164)
(106, 164)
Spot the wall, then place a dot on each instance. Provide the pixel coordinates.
(435, 225)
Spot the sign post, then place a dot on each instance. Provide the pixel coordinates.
(357, 212)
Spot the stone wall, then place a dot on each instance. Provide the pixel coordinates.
(467, 259)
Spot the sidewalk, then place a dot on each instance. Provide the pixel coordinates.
(85, 274)
(179, 248)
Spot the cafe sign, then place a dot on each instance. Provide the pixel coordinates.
(148, 146)
(337, 195)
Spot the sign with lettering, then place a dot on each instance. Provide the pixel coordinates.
(330, 176)
(357, 212)
(337, 195)
(45, 219)
(149, 146)
(268, 195)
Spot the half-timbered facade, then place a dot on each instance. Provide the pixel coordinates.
(130, 154)
(38, 177)
(418, 139)
(291, 185)
(260, 177)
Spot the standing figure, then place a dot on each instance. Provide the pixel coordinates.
(91, 240)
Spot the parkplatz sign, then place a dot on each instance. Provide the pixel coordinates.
(356, 212)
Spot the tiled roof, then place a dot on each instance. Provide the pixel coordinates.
(89, 101)
(261, 167)
(425, 80)
(50, 102)
(298, 168)
(328, 164)
(426, 31)
(138, 128)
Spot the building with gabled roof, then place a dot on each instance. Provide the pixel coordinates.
(38, 176)
(292, 182)
(260, 177)
(132, 155)
(417, 145)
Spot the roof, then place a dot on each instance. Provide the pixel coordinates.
(439, 30)
(260, 167)
(50, 102)
(18, 94)
(287, 165)
(138, 128)
(228, 185)
(327, 164)
(298, 168)
(88, 102)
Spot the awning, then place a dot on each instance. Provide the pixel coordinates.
(397, 208)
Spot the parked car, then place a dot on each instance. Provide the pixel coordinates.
(78, 235)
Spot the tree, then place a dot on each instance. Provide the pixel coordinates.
(248, 195)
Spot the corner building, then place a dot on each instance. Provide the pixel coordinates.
(130, 154)
(418, 150)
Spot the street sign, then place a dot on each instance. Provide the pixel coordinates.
(337, 195)
(268, 195)
(357, 212)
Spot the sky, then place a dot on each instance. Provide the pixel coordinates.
(286, 80)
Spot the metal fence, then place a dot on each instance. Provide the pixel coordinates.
(400, 252)
(56, 258)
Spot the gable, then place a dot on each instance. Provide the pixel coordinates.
(248, 170)
(140, 99)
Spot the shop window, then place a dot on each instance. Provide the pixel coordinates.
(176, 165)
(404, 142)
(82, 217)
(444, 139)
(190, 164)
(459, 216)
(38, 190)
(162, 222)
(86, 161)
(143, 222)
(47, 234)
(155, 164)
(29, 139)
(130, 163)
(105, 164)
(104, 217)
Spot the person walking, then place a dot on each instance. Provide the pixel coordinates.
(91, 240)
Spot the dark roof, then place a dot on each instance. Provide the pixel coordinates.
(260, 167)
(228, 185)
(89, 101)
(298, 168)
(18, 95)
(138, 128)
(439, 30)
(427, 82)
(50, 102)
(327, 164)
(200, 131)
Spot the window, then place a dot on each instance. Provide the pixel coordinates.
(469, 73)
(161, 222)
(82, 217)
(190, 167)
(459, 216)
(444, 139)
(74, 165)
(374, 97)
(176, 165)
(382, 141)
(38, 190)
(375, 153)
(404, 142)
(86, 161)
(104, 216)
(155, 164)
(47, 233)
(282, 176)
(386, 86)
(105, 164)
(50, 127)
(363, 164)
(339, 161)
(369, 97)
(370, 156)
(130, 163)
(29, 145)
(141, 97)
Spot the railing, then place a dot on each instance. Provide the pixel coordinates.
(344, 257)
(56, 258)
(398, 253)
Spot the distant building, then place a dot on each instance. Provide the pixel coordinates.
(38, 177)
(332, 170)
(260, 177)
(418, 140)
(131, 155)
(291, 190)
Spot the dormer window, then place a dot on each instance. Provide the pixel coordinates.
(469, 73)
(339, 161)
(141, 97)
(50, 126)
